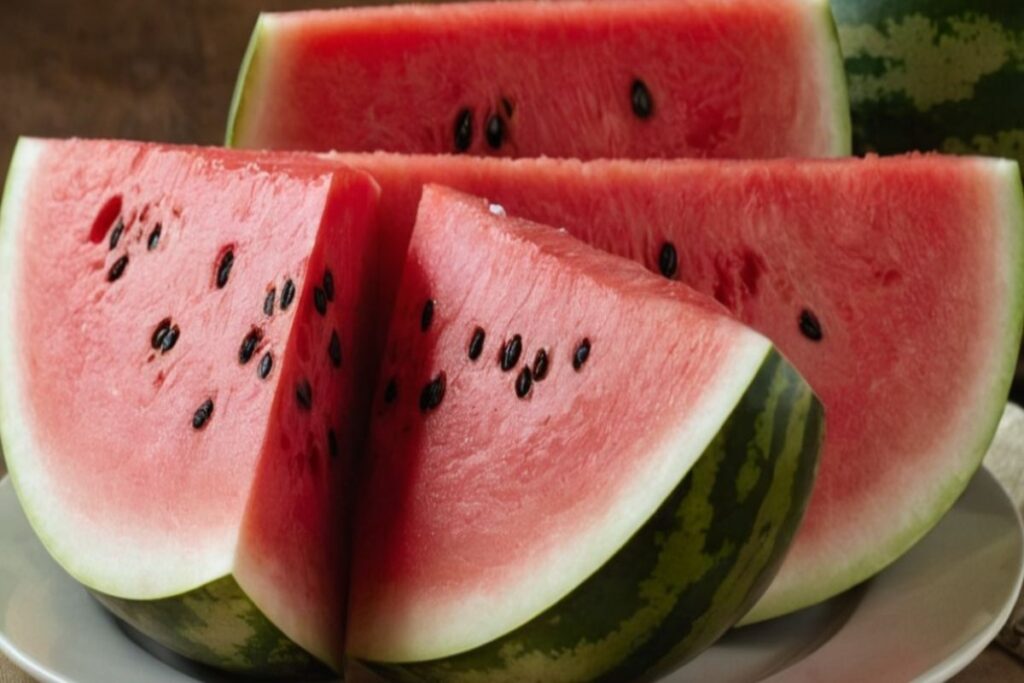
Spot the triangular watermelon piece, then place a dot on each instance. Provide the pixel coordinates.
(894, 285)
(525, 517)
(617, 78)
(182, 379)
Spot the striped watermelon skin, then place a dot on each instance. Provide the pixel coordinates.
(218, 625)
(934, 75)
(686, 576)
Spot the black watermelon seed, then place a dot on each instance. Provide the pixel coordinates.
(506, 104)
(157, 340)
(266, 363)
(287, 294)
(476, 343)
(391, 391)
(332, 444)
(433, 393)
(115, 235)
(334, 349)
(203, 414)
(320, 300)
(304, 394)
(427, 316)
(510, 353)
(154, 237)
(224, 268)
(523, 382)
(248, 347)
(268, 302)
(668, 260)
(463, 130)
(170, 339)
(809, 325)
(580, 355)
(643, 105)
(540, 365)
(329, 284)
(495, 131)
(117, 270)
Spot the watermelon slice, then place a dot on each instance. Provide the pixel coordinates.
(894, 285)
(523, 518)
(181, 395)
(621, 78)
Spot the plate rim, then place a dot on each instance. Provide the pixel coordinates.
(941, 670)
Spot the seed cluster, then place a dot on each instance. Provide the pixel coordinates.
(496, 122)
(508, 358)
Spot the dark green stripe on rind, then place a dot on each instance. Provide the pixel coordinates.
(935, 75)
(217, 625)
(695, 567)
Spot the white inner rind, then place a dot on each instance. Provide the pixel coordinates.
(431, 629)
(827, 55)
(124, 569)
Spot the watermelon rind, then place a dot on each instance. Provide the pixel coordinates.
(932, 75)
(833, 75)
(688, 572)
(246, 73)
(811, 587)
(217, 625)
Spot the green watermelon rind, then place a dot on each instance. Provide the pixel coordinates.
(834, 74)
(934, 75)
(828, 52)
(246, 72)
(688, 573)
(217, 625)
(814, 588)
(182, 622)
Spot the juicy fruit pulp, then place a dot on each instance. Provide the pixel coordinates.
(637, 79)
(172, 418)
(887, 282)
(524, 517)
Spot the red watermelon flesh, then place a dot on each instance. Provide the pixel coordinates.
(507, 463)
(624, 78)
(182, 376)
(908, 269)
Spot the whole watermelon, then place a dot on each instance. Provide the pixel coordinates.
(935, 74)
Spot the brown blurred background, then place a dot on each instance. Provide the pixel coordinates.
(144, 69)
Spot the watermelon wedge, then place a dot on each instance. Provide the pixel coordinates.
(523, 518)
(181, 393)
(621, 78)
(894, 286)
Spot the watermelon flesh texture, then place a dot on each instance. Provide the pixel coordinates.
(635, 79)
(523, 517)
(910, 269)
(140, 282)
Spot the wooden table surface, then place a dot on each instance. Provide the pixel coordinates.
(159, 70)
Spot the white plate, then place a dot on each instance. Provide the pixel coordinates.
(924, 618)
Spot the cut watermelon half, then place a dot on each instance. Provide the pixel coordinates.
(894, 286)
(621, 78)
(524, 516)
(181, 392)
